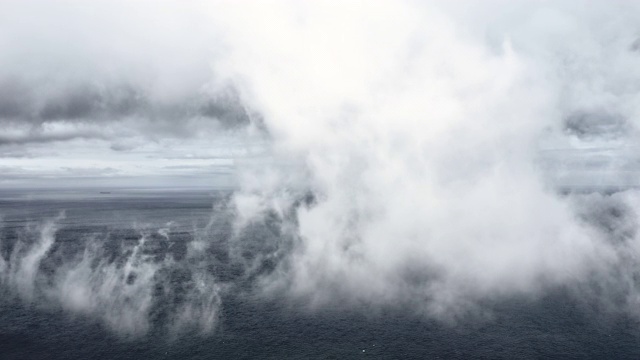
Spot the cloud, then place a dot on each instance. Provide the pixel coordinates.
(119, 78)
(86, 107)
(418, 129)
(48, 132)
(408, 153)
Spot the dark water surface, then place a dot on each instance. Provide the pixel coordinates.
(136, 231)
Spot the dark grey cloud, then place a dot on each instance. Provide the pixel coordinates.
(15, 99)
(36, 134)
(124, 145)
(23, 105)
(635, 46)
(76, 105)
(597, 124)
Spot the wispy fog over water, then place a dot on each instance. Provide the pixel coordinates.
(166, 275)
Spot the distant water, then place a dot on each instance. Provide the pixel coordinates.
(152, 275)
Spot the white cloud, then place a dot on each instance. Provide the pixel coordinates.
(418, 128)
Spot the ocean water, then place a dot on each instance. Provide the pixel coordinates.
(161, 274)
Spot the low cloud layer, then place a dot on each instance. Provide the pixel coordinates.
(411, 153)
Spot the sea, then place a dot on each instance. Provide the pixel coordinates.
(153, 274)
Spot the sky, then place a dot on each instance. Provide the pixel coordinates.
(141, 93)
(114, 93)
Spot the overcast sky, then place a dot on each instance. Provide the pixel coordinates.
(115, 93)
(134, 93)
